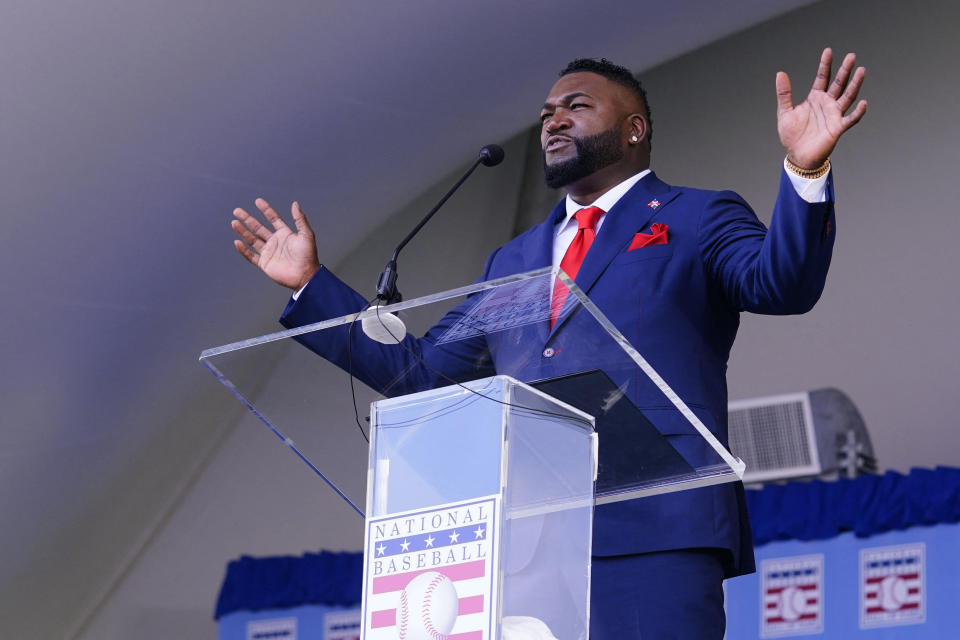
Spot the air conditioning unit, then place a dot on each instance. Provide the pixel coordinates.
(798, 435)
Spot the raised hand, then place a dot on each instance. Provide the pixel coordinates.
(286, 257)
(810, 130)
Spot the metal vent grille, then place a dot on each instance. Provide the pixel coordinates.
(774, 437)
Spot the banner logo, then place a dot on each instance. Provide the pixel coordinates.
(342, 625)
(272, 629)
(791, 596)
(892, 585)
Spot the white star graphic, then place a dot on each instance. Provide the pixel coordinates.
(454, 537)
(479, 532)
(381, 549)
(429, 541)
(405, 546)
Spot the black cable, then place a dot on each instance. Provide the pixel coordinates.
(353, 389)
(419, 358)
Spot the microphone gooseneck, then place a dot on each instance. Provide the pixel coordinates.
(489, 156)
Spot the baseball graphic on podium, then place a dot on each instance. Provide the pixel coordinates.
(428, 607)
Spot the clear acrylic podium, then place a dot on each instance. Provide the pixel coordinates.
(490, 440)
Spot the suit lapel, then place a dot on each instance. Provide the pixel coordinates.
(631, 214)
(537, 251)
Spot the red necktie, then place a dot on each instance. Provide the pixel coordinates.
(573, 258)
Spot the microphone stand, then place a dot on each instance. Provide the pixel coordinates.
(387, 293)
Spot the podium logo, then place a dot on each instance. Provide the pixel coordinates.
(429, 574)
(791, 596)
(892, 585)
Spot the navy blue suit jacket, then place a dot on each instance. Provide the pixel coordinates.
(678, 303)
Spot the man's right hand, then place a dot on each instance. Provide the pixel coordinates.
(286, 257)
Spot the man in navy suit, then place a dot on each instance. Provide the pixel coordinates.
(671, 267)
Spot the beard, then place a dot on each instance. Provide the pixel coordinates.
(593, 153)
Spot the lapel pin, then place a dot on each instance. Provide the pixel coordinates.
(654, 204)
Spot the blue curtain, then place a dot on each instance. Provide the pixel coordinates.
(866, 505)
(254, 584)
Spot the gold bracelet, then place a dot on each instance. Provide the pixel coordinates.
(809, 173)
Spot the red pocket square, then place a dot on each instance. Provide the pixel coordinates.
(657, 235)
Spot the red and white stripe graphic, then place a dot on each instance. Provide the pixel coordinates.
(792, 596)
(469, 579)
(796, 602)
(892, 585)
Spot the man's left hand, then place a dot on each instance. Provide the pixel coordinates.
(810, 130)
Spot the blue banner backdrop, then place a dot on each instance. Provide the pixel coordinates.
(817, 544)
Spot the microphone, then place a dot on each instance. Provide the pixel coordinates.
(384, 327)
(387, 293)
(491, 155)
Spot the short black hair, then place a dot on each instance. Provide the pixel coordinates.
(618, 74)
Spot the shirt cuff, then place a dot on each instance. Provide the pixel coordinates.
(813, 190)
(296, 294)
